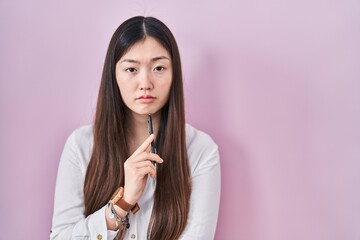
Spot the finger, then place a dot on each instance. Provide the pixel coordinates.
(143, 164)
(144, 156)
(144, 145)
(142, 172)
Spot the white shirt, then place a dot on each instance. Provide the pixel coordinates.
(69, 221)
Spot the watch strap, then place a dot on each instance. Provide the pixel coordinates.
(118, 200)
(127, 206)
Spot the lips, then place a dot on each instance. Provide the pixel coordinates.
(146, 99)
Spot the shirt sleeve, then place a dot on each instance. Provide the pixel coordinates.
(69, 221)
(205, 196)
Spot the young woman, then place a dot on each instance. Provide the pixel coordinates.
(110, 185)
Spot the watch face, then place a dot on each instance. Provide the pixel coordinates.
(117, 195)
(114, 194)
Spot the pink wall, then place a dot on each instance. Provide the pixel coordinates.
(276, 83)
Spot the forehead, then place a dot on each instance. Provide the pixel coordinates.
(146, 49)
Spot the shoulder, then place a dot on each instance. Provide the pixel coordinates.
(81, 136)
(79, 145)
(198, 138)
(82, 133)
(202, 149)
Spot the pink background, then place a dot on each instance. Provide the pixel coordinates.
(275, 83)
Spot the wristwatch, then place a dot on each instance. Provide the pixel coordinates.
(117, 199)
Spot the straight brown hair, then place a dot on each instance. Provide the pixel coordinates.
(105, 172)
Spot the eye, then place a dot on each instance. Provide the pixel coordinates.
(159, 69)
(131, 70)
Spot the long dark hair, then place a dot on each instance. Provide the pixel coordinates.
(105, 172)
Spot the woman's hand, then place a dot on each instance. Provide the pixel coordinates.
(137, 168)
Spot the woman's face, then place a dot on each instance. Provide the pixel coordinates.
(144, 76)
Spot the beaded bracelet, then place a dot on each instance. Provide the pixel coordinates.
(124, 222)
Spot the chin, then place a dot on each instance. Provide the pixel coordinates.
(145, 111)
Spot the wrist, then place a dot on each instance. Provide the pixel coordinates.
(110, 223)
(120, 222)
(118, 199)
(129, 199)
(120, 212)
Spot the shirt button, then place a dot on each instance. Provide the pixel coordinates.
(99, 237)
(133, 236)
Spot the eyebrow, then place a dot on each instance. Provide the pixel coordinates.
(138, 62)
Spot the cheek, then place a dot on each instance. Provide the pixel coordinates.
(125, 85)
(123, 81)
(166, 89)
(166, 84)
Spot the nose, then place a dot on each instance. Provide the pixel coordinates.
(145, 82)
